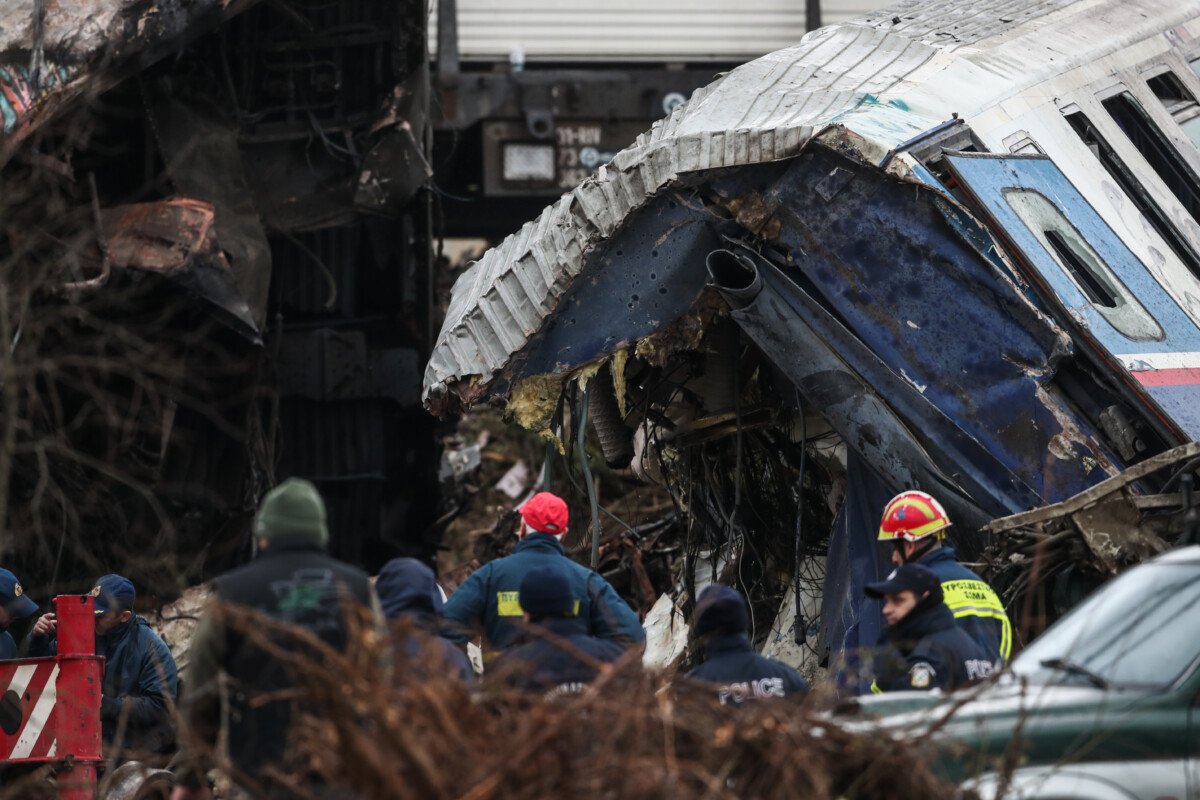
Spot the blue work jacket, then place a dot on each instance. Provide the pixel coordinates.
(741, 674)
(974, 603)
(491, 596)
(8, 646)
(543, 665)
(139, 670)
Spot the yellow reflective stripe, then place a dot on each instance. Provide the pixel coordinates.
(976, 598)
(508, 604)
(875, 688)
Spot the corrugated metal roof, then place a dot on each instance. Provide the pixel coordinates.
(858, 75)
(635, 30)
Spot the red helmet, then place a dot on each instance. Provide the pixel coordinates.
(912, 516)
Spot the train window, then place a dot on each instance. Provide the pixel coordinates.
(1179, 103)
(1083, 265)
(1158, 152)
(1134, 190)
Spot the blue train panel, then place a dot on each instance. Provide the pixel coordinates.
(1091, 279)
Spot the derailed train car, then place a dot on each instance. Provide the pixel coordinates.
(948, 246)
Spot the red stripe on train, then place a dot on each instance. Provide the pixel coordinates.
(1169, 377)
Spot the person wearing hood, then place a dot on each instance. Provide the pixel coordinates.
(551, 662)
(14, 605)
(922, 647)
(408, 590)
(140, 684)
(739, 673)
(491, 595)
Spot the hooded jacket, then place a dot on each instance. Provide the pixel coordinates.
(139, 676)
(742, 674)
(972, 602)
(541, 665)
(408, 590)
(928, 650)
(491, 595)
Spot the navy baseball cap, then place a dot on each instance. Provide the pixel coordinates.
(546, 592)
(114, 592)
(13, 598)
(908, 578)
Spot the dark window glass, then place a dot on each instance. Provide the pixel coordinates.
(1091, 285)
(1155, 148)
(1178, 102)
(1134, 190)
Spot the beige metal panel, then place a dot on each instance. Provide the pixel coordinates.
(629, 30)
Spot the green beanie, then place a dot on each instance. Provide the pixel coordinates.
(292, 509)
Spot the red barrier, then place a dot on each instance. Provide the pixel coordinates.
(50, 707)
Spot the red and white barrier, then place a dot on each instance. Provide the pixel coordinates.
(50, 707)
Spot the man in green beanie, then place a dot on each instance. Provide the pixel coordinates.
(234, 684)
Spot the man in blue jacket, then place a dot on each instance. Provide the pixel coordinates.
(139, 670)
(730, 662)
(491, 596)
(408, 591)
(544, 664)
(922, 648)
(14, 605)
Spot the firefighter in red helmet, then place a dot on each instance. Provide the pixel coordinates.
(915, 523)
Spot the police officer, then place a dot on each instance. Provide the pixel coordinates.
(491, 595)
(730, 662)
(916, 524)
(543, 664)
(408, 593)
(140, 684)
(922, 647)
(14, 605)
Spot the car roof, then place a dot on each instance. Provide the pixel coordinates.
(1180, 555)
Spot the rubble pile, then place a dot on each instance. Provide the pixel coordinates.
(385, 736)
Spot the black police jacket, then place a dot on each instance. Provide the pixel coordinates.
(293, 582)
(742, 674)
(928, 650)
(542, 665)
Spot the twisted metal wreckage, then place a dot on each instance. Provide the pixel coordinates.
(890, 256)
(216, 268)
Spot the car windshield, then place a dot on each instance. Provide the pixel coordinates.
(1139, 630)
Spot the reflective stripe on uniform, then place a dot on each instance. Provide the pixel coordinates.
(875, 688)
(508, 604)
(977, 599)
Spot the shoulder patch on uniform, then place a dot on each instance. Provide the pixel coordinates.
(921, 675)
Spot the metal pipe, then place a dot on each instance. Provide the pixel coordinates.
(735, 276)
(581, 439)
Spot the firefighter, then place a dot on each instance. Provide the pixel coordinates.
(14, 605)
(915, 524)
(233, 685)
(491, 596)
(730, 662)
(548, 602)
(408, 591)
(922, 648)
(140, 682)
